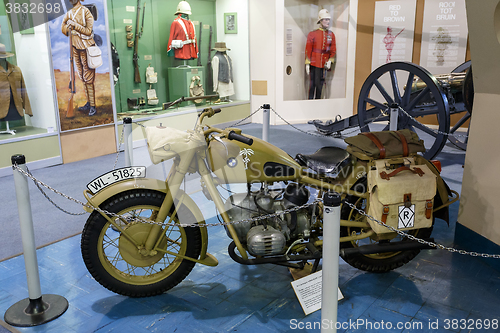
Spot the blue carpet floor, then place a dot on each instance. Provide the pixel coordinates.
(438, 291)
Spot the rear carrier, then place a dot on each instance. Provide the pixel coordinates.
(401, 188)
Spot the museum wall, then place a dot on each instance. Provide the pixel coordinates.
(479, 209)
(364, 42)
(238, 43)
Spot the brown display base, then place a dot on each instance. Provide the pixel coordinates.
(300, 273)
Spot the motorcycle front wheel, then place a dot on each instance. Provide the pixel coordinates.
(116, 262)
(377, 262)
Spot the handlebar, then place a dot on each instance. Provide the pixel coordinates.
(241, 138)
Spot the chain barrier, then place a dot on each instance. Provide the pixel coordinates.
(258, 218)
(421, 241)
(119, 146)
(328, 136)
(47, 197)
(242, 120)
(430, 129)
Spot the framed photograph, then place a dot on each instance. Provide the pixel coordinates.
(230, 23)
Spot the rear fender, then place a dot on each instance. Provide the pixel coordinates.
(443, 194)
(155, 185)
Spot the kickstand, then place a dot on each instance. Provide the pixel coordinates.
(315, 265)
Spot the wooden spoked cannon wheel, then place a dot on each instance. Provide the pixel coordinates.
(423, 101)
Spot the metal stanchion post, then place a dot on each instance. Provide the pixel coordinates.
(330, 270)
(393, 117)
(129, 146)
(37, 309)
(266, 108)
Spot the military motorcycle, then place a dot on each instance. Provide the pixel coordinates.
(144, 235)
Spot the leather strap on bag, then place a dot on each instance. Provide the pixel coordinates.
(377, 143)
(404, 143)
(417, 171)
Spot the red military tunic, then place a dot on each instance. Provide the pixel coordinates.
(320, 47)
(183, 30)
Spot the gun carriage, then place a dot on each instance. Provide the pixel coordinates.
(425, 102)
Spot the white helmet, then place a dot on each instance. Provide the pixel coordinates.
(183, 8)
(323, 14)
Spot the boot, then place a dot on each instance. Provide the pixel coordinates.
(90, 89)
(85, 108)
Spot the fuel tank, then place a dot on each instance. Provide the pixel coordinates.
(235, 162)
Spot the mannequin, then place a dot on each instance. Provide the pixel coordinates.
(182, 41)
(222, 68)
(13, 94)
(320, 54)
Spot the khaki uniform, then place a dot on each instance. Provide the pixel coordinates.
(11, 79)
(82, 38)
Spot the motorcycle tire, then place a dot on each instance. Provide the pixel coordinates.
(114, 261)
(378, 262)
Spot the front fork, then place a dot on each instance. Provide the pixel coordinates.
(174, 181)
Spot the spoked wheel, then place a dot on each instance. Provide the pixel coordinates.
(416, 93)
(121, 266)
(459, 139)
(377, 262)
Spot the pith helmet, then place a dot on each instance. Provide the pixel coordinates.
(323, 14)
(183, 8)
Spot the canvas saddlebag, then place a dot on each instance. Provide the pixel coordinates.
(94, 59)
(384, 144)
(401, 194)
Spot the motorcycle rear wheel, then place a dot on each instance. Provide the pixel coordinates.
(116, 263)
(377, 262)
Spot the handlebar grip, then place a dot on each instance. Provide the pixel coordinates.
(234, 136)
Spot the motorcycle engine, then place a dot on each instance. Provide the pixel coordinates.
(269, 236)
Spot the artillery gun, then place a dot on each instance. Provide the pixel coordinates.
(425, 104)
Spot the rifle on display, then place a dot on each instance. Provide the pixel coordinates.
(199, 46)
(209, 62)
(137, 74)
(72, 85)
(184, 99)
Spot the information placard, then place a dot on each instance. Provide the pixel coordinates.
(308, 290)
(394, 28)
(444, 35)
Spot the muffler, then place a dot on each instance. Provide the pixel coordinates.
(388, 247)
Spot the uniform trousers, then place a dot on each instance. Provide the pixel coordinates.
(316, 82)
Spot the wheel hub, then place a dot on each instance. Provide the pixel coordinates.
(129, 251)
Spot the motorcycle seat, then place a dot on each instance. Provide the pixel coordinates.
(325, 160)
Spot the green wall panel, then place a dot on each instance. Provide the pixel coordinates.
(34, 150)
(159, 15)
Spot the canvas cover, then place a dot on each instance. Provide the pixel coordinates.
(362, 146)
(391, 193)
(165, 142)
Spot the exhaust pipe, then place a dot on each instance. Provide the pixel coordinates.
(388, 247)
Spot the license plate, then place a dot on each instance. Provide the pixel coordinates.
(115, 176)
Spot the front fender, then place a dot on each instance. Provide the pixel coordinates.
(155, 185)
